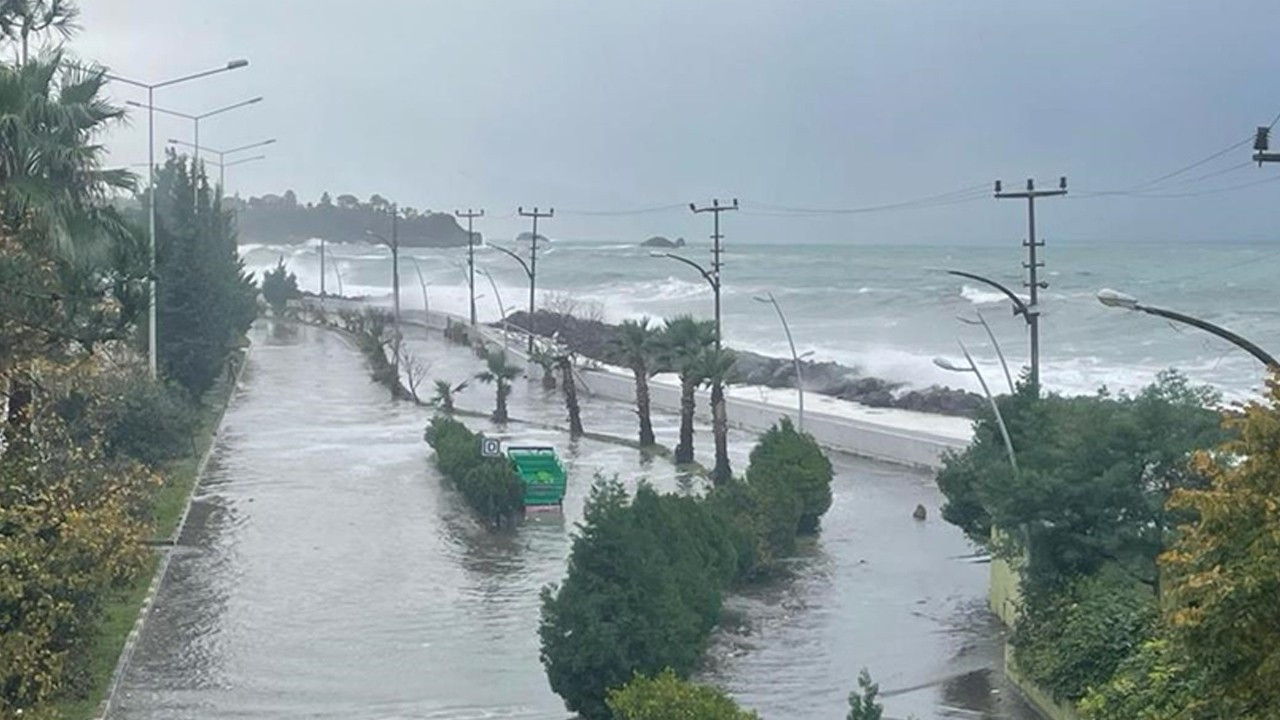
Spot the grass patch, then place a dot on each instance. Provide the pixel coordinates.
(121, 610)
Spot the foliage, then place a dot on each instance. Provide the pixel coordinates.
(682, 342)
(206, 300)
(862, 702)
(547, 361)
(636, 347)
(500, 372)
(794, 460)
(135, 417)
(666, 697)
(489, 485)
(644, 588)
(72, 526)
(279, 286)
(1094, 473)
(71, 271)
(443, 399)
(280, 219)
(1223, 572)
(1074, 638)
(1155, 682)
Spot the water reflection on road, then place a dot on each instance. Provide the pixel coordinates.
(326, 572)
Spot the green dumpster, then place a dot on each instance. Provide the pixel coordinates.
(541, 473)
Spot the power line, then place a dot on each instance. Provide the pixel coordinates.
(963, 194)
(636, 211)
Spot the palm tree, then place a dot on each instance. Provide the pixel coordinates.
(564, 361)
(636, 347)
(683, 341)
(20, 19)
(500, 373)
(717, 371)
(548, 361)
(71, 270)
(445, 390)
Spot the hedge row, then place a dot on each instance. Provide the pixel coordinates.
(648, 574)
(489, 485)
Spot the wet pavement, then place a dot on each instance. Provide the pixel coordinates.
(327, 572)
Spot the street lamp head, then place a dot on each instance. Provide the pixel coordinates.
(254, 100)
(134, 103)
(237, 64)
(657, 254)
(806, 354)
(1117, 299)
(968, 320)
(946, 364)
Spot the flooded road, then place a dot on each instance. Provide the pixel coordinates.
(326, 572)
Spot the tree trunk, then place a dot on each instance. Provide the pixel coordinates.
(642, 409)
(500, 412)
(720, 429)
(684, 450)
(571, 398)
(548, 378)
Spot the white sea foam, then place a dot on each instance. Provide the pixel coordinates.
(978, 296)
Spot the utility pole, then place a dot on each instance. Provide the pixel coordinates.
(533, 260)
(322, 267)
(715, 208)
(471, 256)
(1033, 265)
(1261, 143)
(395, 280)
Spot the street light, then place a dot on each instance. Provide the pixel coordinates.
(712, 279)
(394, 244)
(972, 367)
(529, 273)
(151, 184)
(196, 118)
(795, 358)
(995, 343)
(501, 308)
(222, 154)
(1116, 299)
(1030, 314)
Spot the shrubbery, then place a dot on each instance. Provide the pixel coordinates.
(666, 697)
(143, 419)
(793, 460)
(648, 574)
(1074, 638)
(279, 286)
(489, 485)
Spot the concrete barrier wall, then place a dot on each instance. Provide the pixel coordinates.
(915, 448)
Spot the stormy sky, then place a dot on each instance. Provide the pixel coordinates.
(603, 105)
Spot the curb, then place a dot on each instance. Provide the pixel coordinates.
(162, 569)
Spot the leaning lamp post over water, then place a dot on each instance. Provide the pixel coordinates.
(972, 367)
(1116, 299)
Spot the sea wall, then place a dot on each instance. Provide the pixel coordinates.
(894, 442)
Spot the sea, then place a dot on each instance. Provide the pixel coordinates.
(887, 311)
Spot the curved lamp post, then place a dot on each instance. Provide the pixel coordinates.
(1116, 299)
(995, 343)
(529, 273)
(1020, 307)
(151, 183)
(795, 358)
(972, 367)
(713, 279)
(501, 308)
